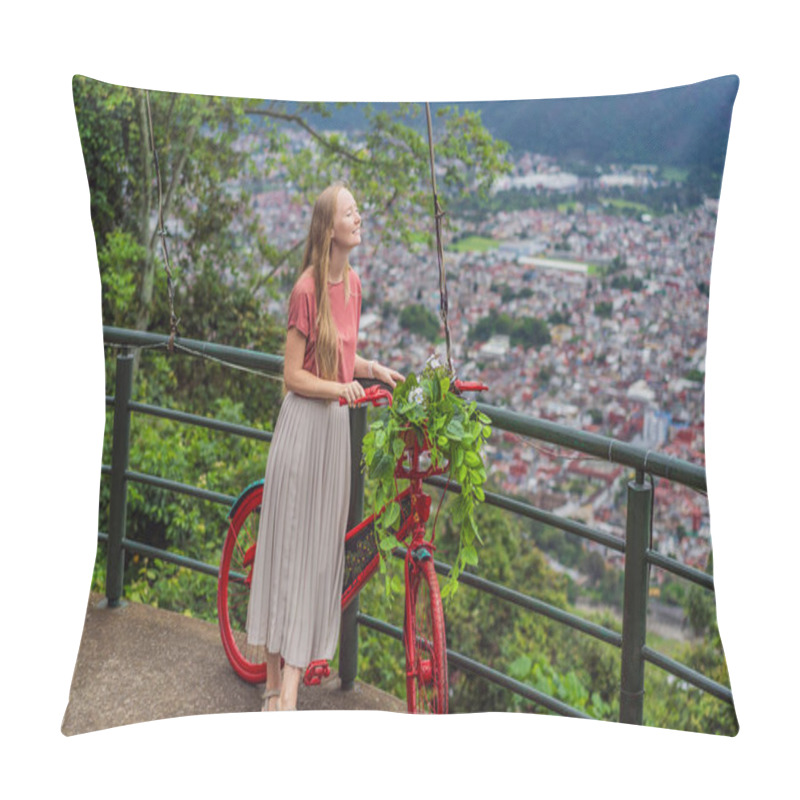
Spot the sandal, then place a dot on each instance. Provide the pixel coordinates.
(267, 696)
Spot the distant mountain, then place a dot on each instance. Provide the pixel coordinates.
(684, 126)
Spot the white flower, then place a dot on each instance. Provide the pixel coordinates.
(415, 395)
(433, 361)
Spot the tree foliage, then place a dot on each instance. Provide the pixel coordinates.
(527, 332)
(420, 320)
(195, 162)
(211, 149)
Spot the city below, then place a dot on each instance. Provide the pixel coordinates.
(625, 296)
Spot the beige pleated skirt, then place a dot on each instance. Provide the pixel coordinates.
(296, 590)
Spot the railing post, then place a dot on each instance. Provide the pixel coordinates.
(119, 483)
(634, 611)
(348, 637)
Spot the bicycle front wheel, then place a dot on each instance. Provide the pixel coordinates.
(424, 639)
(233, 588)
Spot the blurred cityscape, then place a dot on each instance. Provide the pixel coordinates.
(624, 293)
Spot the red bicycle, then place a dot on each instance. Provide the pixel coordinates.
(423, 626)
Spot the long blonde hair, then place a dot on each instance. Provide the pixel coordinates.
(317, 257)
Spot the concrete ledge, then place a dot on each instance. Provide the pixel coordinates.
(137, 663)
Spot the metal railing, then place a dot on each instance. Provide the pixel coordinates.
(636, 546)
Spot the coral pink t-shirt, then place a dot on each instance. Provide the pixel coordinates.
(347, 316)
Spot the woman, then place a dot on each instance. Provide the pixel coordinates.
(295, 598)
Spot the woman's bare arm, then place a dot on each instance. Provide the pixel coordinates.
(305, 383)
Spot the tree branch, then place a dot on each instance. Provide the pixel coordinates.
(145, 290)
(175, 175)
(298, 120)
(278, 264)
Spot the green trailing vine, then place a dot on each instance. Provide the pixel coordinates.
(424, 406)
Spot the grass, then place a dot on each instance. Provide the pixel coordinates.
(671, 648)
(674, 174)
(627, 205)
(474, 244)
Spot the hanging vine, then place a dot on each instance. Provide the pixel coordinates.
(161, 232)
(437, 216)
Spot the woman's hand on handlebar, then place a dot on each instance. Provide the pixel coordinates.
(387, 375)
(378, 395)
(350, 393)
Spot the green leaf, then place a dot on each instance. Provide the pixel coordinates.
(472, 459)
(392, 515)
(455, 430)
(520, 667)
(459, 509)
(386, 466)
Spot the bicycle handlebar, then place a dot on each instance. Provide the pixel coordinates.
(376, 395)
(470, 386)
(379, 396)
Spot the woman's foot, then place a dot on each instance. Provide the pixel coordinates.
(272, 688)
(289, 686)
(272, 700)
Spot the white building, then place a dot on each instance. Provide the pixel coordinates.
(641, 392)
(551, 263)
(496, 348)
(655, 429)
(560, 181)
